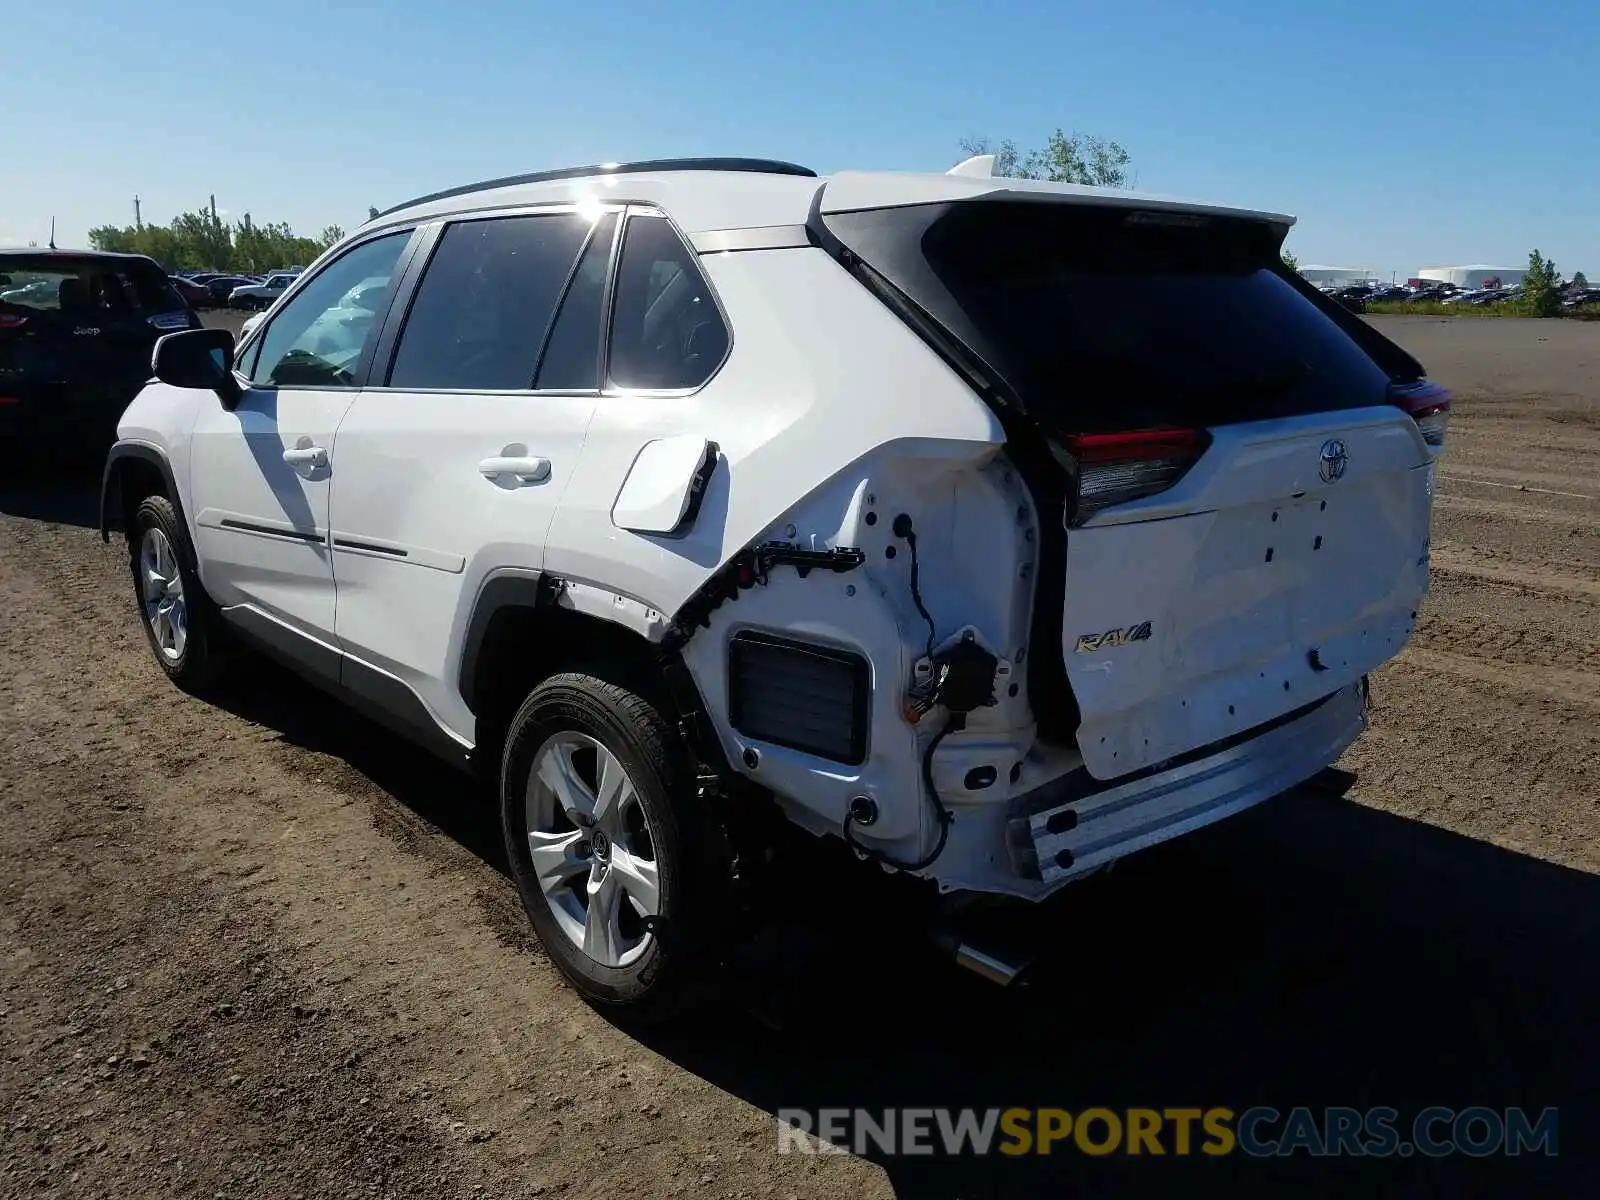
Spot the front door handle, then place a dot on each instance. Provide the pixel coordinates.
(525, 469)
(306, 456)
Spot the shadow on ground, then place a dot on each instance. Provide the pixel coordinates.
(58, 486)
(1311, 952)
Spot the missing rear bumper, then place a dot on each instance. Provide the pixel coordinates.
(1079, 824)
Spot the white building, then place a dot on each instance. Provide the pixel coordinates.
(1336, 276)
(1473, 276)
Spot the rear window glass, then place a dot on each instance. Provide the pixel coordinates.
(86, 285)
(1102, 318)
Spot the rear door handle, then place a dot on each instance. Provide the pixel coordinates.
(526, 470)
(306, 456)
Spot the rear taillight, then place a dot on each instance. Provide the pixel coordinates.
(1429, 406)
(1114, 468)
(12, 321)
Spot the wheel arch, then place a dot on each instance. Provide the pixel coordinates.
(527, 625)
(133, 471)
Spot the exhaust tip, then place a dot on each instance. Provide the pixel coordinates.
(1006, 971)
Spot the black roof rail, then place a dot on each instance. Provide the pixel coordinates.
(759, 166)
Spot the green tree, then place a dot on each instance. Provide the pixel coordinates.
(1580, 281)
(198, 239)
(1541, 286)
(112, 239)
(372, 212)
(1290, 259)
(1065, 158)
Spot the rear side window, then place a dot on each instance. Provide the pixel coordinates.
(1104, 318)
(485, 302)
(666, 332)
(89, 287)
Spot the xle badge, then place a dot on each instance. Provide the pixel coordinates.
(1088, 643)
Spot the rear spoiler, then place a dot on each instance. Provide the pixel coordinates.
(855, 191)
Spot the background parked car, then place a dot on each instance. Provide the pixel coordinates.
(195, 295)
(1354, 298)
(221, 287)
(261, 295)
(76, 333)
(347, 320)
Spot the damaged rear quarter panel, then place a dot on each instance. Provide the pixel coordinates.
(820, 376)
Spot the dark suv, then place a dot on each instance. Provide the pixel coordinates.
(76, 332)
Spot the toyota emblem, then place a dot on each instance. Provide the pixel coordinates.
(1334, 460)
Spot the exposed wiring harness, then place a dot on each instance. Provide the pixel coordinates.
(902, 529)
(957, 721)
(952, 684)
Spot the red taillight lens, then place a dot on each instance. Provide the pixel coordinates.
(1429, 406)
(12, 321)
(1114, 468)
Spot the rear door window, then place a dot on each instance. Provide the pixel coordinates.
(102, 288)
(571, 359)
(1106, 318)
(486, 301)
(666, 331)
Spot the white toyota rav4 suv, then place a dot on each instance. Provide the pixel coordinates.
(997, 528)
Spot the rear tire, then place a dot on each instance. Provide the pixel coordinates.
(179, 622)
(596, 784)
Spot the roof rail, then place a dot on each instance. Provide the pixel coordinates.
(761, 166)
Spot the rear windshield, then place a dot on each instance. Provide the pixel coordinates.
(1102, 318)
(103, 286)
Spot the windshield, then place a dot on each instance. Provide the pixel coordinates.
(93, 286)
(1102, 317)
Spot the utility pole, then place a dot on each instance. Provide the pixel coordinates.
(213, 208)
(138, 222)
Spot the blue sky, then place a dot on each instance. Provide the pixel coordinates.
(1403, 134)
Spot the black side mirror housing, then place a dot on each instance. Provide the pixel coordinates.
(198, 358)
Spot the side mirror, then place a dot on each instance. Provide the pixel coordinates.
(198, 358)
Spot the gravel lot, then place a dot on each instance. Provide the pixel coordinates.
(258, 948)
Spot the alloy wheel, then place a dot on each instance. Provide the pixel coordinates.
(592, 848)
(161, 586)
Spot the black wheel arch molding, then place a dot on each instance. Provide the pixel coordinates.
(502, 589)
(112, 499)
(508, 588)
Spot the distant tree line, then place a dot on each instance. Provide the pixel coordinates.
(203, 241)
(1064, 158)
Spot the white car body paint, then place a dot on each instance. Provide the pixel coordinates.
(1245, 565)
(831, 417)
(660, 486)
(409, 478)
(266, 542)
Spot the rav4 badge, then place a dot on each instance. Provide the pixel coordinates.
(1088, 643)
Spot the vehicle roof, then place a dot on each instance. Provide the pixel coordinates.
(36, 252)
(716, 196)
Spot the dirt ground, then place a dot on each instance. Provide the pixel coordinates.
(257, 948)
